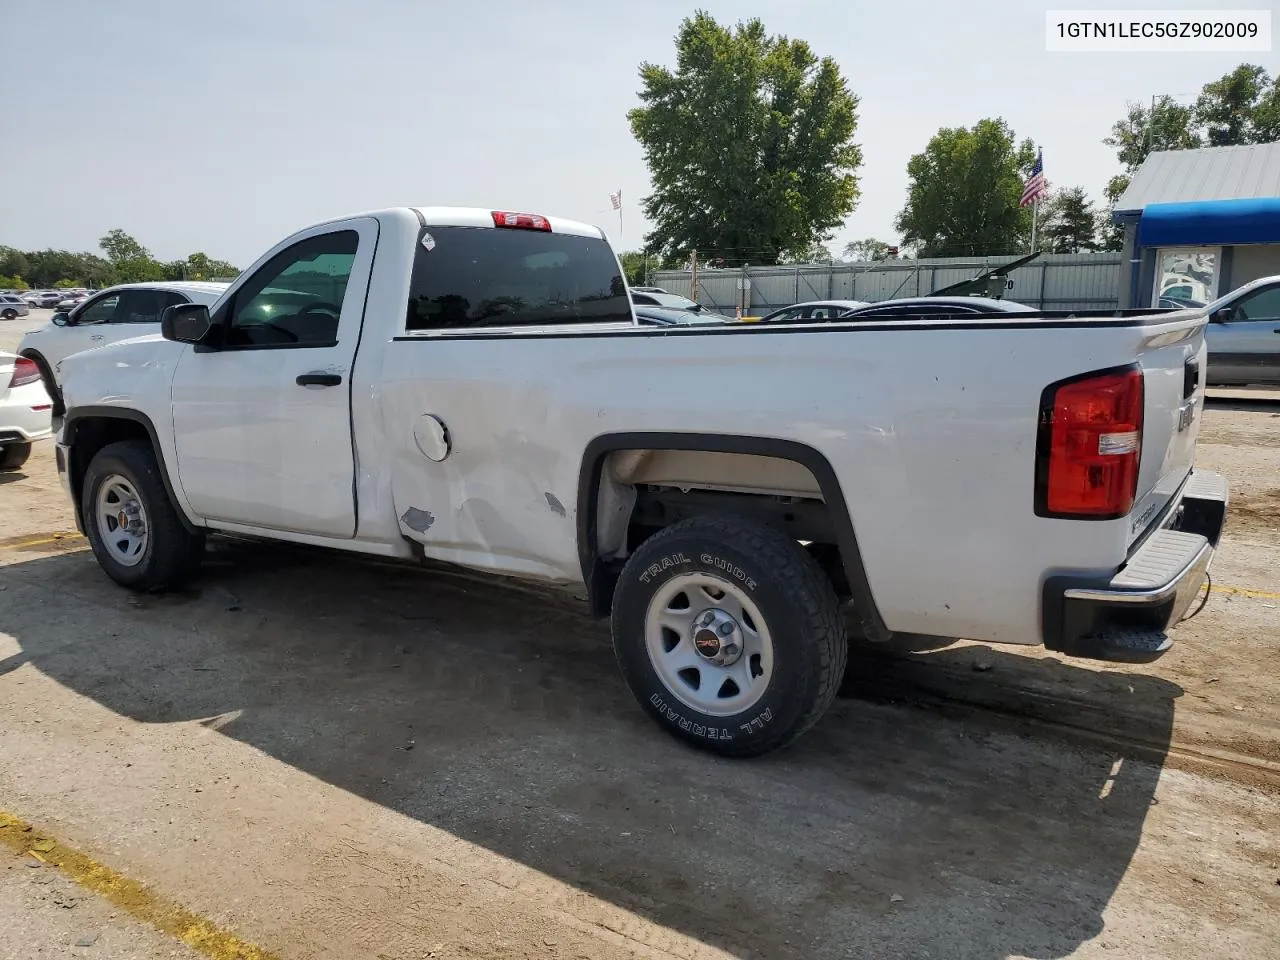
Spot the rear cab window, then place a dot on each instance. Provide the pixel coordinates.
(466, 278)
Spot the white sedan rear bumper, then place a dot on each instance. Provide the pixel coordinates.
(26, 414)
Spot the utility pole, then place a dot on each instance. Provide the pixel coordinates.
(1151, 123)
(693, 277)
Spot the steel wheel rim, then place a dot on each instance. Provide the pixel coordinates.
(121, 520)
(676, 625)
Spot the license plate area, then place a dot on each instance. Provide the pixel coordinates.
(1186, 415)
(1190, 382)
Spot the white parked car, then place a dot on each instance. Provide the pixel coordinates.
(25, 410)
(117, 313)
(472, 386)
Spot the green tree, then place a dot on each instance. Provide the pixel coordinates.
(222, 270)
(1069, 224)
(14, 263)
(1110, 235)
(815, 253)
(964, 192)
(138, 270)
(130, 261)
(1266, 115)
(749, 143)
(12, 283)
(1229, 108)
(1165, 125)
(120, 247)
(633, 263)
(864, 250)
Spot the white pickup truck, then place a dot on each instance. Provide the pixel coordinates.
(471, 386)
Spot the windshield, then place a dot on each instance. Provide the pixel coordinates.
(467, 277)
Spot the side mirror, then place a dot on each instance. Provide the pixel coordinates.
(1223, 315)
(61, 319)
(186, 323)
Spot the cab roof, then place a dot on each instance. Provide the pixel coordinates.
(483, 217)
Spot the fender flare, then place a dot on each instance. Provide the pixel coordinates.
(69, 424)
(595, 573)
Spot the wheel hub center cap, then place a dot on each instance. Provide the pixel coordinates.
(129, 519)
(717, 637)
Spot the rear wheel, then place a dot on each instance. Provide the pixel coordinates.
(14, 455)
(729, 635)
(132, 526)
(9, 313)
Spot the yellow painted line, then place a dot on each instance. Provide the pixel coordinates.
(132, 897)
(56, 538)
(1242, 592)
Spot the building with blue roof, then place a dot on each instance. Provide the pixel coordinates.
(1199, 224)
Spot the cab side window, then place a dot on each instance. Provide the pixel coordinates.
(1260, 305)
(144, 306)
(102, 310)
(295, 299)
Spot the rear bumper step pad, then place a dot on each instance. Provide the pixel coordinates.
(1126, 618)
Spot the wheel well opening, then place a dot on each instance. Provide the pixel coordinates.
(91, 435)
(643, 491)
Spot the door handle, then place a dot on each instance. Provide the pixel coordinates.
(318, 379)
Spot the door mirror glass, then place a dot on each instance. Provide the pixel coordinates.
(186, 323)
(61, 319)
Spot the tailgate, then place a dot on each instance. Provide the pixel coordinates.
(1173, 366)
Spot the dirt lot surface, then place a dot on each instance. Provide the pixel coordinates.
(339, 759)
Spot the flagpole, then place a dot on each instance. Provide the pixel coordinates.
(621, 243)
(1035, 208)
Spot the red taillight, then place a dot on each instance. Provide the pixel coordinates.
(1090, 446)
(24, 371)
(521, 221)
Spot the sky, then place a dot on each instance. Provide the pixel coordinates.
(226, 128)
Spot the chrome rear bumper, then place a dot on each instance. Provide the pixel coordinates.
(1126, 618)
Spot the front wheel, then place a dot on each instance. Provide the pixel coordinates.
(9, 313)
(132, 525)
(729, 635)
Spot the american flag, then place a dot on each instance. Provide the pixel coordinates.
(616, 200)
(1036, 186)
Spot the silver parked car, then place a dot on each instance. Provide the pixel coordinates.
(44, 298)
(1244, 335)
(12, 306)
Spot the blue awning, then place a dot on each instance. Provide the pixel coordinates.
(1210, 223)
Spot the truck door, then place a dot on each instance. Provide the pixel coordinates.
(263, 422)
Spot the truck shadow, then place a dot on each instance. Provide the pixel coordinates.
(891, 829)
